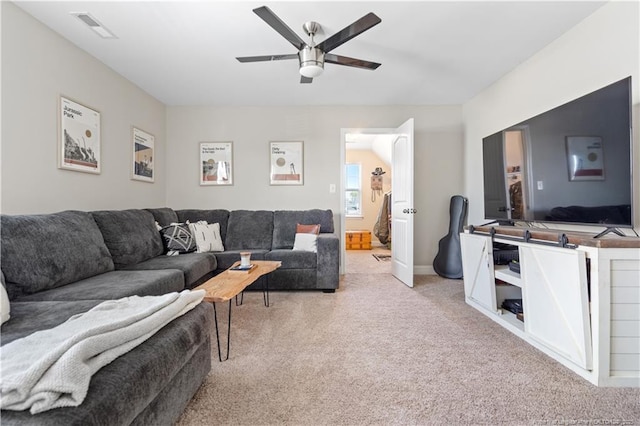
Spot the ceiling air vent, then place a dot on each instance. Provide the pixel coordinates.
(93, 23)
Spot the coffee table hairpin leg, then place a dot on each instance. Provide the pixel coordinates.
(265, 296)
(215, 316)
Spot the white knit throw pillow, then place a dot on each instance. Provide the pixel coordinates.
(207, 236)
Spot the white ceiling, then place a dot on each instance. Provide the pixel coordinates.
(432, 53)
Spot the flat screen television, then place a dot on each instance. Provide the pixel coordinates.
(572, 164)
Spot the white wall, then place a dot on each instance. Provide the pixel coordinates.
(37, 67)
(438, 150)
(602, 49)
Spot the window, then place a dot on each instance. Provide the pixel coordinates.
(353, 190)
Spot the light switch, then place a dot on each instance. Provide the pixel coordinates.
(332, 188)
(540, 185)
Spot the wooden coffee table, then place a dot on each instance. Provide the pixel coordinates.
(228, 284)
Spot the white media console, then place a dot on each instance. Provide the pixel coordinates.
(580, 296)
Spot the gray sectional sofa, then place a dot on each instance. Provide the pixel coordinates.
(270, 235)
(61, 264)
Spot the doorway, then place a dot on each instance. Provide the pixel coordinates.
(506, 180)
(368, 175)
(514, 166)
(402, 209)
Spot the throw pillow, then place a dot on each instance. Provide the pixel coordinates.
(207, 236)
(307, 229)
(306, 242)
(4, 305)
(177, 238)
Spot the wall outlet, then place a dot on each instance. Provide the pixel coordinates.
(332, 188)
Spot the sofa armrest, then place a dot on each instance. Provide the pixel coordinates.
(328, 261)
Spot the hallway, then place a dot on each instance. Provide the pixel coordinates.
(363, 261)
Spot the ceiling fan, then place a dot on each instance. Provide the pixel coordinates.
(313, 56)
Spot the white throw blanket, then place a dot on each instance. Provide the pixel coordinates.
(52, 368)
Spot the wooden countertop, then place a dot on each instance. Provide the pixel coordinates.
(573, 237)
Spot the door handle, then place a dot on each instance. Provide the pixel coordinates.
(412, 211)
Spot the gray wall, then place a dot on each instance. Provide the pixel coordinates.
(602, 49)
(438, 149)
(37, 67)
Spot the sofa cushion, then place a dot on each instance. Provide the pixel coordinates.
(48, 314)
(210, 216)
(114, 285)
(249, 229)
(305, 242)
(41, 252)
(294, 259)
(5, 306)
(207, 236)
(130, 235)
(308, 229)
(194, 266)
(123, 389)
(164, 215)
(285, 222)
(177, 238)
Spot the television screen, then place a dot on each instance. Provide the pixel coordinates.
(571, 164)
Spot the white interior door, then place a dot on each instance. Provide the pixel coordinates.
(402, 211)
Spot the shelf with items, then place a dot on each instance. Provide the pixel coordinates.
(506, 291)
(502, 272)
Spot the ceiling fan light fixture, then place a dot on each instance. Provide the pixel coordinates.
(311, 62)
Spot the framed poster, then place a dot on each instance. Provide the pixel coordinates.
(585, 158)
(143, 145)
(287, 163)
(216, 163)
(79, 139)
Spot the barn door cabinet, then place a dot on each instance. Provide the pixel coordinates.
(580, 297)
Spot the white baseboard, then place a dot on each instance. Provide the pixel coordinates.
(423, 270)
(417, 270)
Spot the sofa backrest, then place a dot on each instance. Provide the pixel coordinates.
(40, 252)
(211, 216)
(285, 221)
(165, 216)
(249, 229)
(131, 235)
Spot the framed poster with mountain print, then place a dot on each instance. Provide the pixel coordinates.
(79, 139)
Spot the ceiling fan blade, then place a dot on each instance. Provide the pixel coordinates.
(350, 62)
(266, 58)
(276, 23)
(346, 34)
(304, 79)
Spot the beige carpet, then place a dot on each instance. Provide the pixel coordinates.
(363, 261)
(377, 353)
